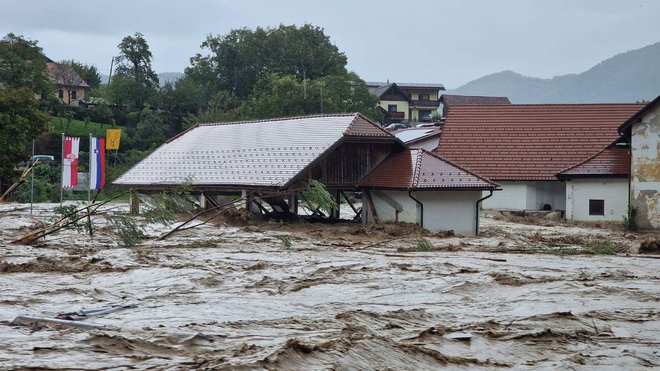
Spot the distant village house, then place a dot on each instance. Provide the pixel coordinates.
(407, 102)
(71, 88)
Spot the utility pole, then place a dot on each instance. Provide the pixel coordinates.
(112, 61)
(305, 84)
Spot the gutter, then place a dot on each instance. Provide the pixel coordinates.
(421, 206)
(476, 212)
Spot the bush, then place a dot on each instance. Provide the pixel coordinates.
(46, 185)
(629, 219)
(606, 248)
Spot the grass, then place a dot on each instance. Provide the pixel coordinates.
(77, 127)
(421, 245)
(287, 241)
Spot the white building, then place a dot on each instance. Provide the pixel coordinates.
(522, 147)
(642, 132)
(597, 188)
(417, 186)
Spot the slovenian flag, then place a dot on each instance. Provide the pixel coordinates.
(96, 163)
(70, 148)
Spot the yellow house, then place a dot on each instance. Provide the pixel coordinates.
(407, 103)
(71, 88)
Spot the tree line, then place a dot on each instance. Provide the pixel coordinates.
(245, 74)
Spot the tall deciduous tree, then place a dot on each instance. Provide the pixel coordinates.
(88, 72)
(277, 96)
(239, 59)
(135, 81)
(20, 122)
(23, 65)
(22, 76)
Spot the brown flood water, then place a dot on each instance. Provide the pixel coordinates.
(340, 297)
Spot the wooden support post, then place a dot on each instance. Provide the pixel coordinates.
(202, 201)
(357, 213)
(337, 212)
(135, 203)
(372, 207)
(293, 203)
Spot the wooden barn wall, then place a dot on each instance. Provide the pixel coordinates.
(349, 163)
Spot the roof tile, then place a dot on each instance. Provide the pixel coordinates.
(418, 169)
(265, 153)
(529, 141)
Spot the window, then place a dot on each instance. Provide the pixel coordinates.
(424, 97)
(72, 94)
(60, 94)
(391, 108)
(596, 207)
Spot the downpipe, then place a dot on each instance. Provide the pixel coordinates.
(476, 213)
(421, 207)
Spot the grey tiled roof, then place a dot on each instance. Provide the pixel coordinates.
(266, 153)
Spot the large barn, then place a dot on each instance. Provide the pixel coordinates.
(264, 158)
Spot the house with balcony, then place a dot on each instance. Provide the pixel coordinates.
(407, 102)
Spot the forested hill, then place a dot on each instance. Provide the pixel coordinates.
(628, 77)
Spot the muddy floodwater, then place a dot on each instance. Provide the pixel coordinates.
(342, 297)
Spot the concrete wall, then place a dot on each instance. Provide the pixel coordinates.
(612, 191)
(528, 196)
(645, 170)
(443, 210)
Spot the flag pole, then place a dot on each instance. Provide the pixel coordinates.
(89, 189)
(89, 170)
(62, 173)
(32, 179)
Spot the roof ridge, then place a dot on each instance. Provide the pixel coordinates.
(418, 166)
(360, 115)
(285, 118)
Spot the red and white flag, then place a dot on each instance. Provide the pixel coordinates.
(70, 162)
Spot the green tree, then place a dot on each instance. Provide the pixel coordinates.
(134, 82)
(23, 65)
(239, 59)
(150, 132)
(277, 96)
(20, 122)
(88, 72)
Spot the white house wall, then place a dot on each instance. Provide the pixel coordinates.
(512, 196)
(612, 191)
(527, 196)
(645, 170)
(443, 210)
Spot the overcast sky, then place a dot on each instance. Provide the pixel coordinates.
(449, 42)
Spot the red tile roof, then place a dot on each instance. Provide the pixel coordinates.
(260, 153)
(363, 127)
(529, 141)
(418, 169)
(608, 162)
